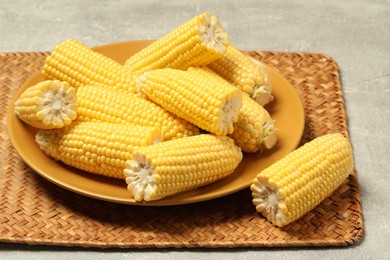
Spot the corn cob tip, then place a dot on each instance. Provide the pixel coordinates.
(262, 94)
(213, 34)
(48, 104)
(266, 200)
(140, 178)
(269, 138)
(270, 141)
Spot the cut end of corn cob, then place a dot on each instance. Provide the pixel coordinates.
(141, 178)
(269, 137)
(262, 94)
(267, 201)
(300, 181)
(48, 104)
(171, 167)
(212, 33)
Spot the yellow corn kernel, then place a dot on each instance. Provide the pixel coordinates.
(96, 147)
(48, 104)
(242, 72)
(297, 183)
(171, 167)
(195, 43)
(117, 106)
(75, 63)
(210, 105)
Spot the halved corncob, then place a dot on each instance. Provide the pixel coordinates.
(97, 147)
(242, 72)
(195, 43)
(118, 106)
(300, 181)
(171, 167)
(210, 105)
(48, 104)
(75, 63)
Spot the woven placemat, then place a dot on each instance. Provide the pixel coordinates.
(35, 211)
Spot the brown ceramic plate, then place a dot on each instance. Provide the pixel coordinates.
(286, 110)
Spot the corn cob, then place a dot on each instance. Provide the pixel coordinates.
(255, 128)
(79, 65)
(171, 167)
(297, 183)
(97, 147)
(209, 105)
(195, 43)
(117, 106)
(242, 72)
(48, 104)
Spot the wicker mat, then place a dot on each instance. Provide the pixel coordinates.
(35, 211)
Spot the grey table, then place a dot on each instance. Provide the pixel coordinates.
(355, 33)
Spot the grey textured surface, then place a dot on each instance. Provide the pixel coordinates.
(355, 33)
